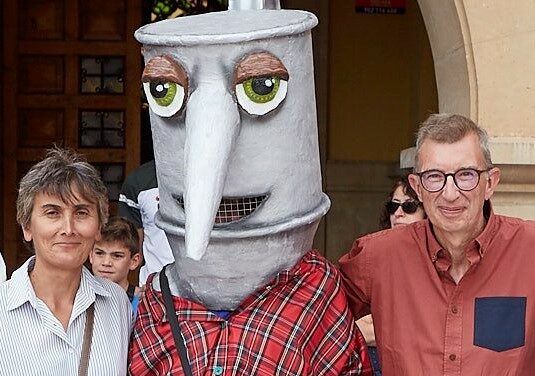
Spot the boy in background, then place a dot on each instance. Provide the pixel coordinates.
(116, 254)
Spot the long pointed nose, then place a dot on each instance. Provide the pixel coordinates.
(212, 123)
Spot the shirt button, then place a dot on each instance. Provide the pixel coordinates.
(218, 370)
(453, 357)
(454, 310)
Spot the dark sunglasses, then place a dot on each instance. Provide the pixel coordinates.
(409, 207)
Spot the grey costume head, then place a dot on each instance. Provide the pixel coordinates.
(235, 138)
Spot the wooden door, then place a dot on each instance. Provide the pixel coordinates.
(71, 71)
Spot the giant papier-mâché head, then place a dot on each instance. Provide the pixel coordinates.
(233, 118)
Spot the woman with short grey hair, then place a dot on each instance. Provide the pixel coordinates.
(77, 323)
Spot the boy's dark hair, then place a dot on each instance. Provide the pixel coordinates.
(119, 229)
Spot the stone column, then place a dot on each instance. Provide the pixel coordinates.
(484, 54)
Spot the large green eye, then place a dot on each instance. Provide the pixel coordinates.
(259, 95)
(261, 89)
(165, 98)
(163, 92)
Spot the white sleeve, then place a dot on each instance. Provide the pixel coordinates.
(2, 269)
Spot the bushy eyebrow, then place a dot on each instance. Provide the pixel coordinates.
(50, 206)
(59, 207)
(165, 68)
(99, 249)
(257, 65)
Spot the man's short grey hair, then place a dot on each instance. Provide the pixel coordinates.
(448, 129)
(57, 175)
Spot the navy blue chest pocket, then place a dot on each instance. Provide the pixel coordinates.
(500, 322)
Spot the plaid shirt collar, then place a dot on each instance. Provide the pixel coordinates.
(187, 310)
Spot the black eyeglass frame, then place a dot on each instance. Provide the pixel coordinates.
(452, 174)
(406, 206)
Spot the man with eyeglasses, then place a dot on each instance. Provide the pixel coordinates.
(451, 295)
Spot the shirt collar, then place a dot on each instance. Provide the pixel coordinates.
(153, 300)
(482, 240)
(21, 289)
(486, 236)
(307, 264)
(433, 246)
(189, 310)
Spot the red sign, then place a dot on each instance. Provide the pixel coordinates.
(380, 6)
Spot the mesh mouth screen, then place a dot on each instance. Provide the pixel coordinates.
(233, 209)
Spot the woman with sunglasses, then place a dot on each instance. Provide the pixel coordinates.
(401, 208)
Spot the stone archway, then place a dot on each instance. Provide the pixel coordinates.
(449, 37)
(484, 60)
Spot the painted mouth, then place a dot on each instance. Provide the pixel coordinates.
(232, 209)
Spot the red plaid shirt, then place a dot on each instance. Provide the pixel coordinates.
(299, 324)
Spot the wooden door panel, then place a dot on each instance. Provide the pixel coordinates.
(41, 19)
(45, 42)
(23, 251)
(40, 128)
(99, 25)
(41, 74)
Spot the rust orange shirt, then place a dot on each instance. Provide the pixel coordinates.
(425, 324)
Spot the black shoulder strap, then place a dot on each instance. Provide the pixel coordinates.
(130, 291)
(171, 316)
(86, 344)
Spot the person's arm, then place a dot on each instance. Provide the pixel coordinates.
(365, 324)
(354, 268)
(341, 348)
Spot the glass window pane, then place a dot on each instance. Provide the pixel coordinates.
(114, 120)
(91, 85)
(91, 65)
(102, 129)
(113, 85)
(90, 138)
(113, 66)
(91, 119)
(112, 176)
(114, 138)
(102, 75)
